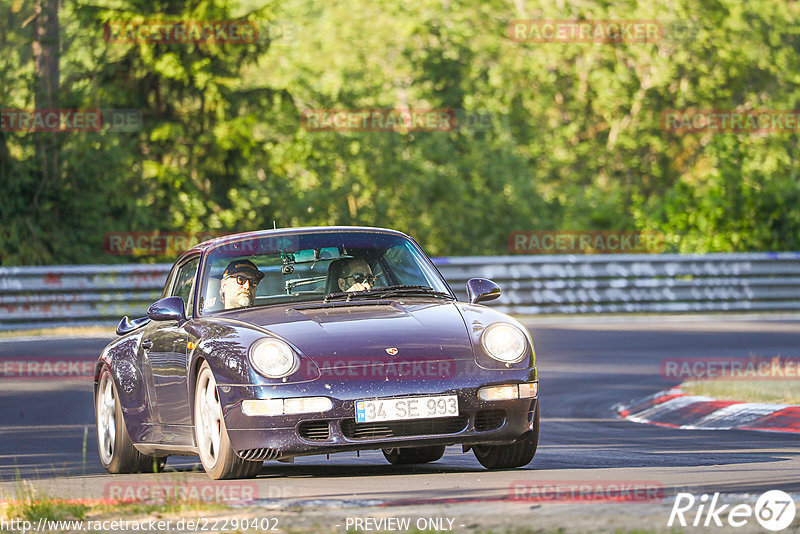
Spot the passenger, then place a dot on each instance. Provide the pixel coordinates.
(356, 276)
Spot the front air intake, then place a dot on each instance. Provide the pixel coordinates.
(259, 454)
(314, 430)
(419, 427)
(486, 420)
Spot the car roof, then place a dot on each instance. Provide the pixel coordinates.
(205, 245)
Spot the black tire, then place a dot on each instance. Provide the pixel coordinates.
(219, 459)
(414, 455)
(114, 445)
(517, 454)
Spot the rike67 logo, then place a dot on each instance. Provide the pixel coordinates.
(774, 510)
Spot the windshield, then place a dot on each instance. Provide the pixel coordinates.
(307, 267)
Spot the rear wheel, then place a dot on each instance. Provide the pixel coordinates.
(216, 454)
(517, 454)
(117, 453)
(414, 455)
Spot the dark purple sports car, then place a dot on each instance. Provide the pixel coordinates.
(282, 343)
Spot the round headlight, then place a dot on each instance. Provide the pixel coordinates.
(273, 358)
(504, 342)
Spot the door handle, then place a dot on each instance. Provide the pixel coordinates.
(147, 344)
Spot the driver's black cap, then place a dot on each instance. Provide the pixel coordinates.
(243, 267)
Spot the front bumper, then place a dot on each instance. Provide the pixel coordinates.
(275, 437)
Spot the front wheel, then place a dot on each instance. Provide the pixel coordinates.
(117, 453)
(414, 455)
(216, 454)
(517, 454)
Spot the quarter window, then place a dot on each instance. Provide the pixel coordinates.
(184, 281)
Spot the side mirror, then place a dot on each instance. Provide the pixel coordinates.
(167, 309)
(481, 290)
(127, 326)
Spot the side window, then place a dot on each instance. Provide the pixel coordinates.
(183, 283)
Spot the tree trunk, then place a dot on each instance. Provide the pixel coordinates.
(46, 52)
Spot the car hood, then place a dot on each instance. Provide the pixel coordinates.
(367, 330)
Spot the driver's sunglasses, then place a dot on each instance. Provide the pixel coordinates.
(242, 279)
(360, 278)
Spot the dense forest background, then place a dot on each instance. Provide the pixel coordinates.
(573, 139)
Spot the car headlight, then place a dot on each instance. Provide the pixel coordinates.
(273, 358)
(504, 342)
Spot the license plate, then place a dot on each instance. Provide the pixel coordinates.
(368, 411)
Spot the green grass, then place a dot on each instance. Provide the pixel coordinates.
(33, 509)
(765, 391)
(28, 505)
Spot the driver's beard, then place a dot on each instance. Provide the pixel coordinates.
(238, 300)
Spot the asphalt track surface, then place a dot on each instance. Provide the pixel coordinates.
(586, 367)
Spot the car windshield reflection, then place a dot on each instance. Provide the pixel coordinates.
(317, 266)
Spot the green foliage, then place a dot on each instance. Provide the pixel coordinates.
(572, 138)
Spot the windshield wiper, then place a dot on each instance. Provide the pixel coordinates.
(341, 295)
(410, 290)
(388, 291)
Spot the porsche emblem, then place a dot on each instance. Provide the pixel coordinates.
(391, 351)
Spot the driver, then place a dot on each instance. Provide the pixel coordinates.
(356, 276)
(238, 286)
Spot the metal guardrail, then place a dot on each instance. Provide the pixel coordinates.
(44, 297)
(75, 295)
(636, 283)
